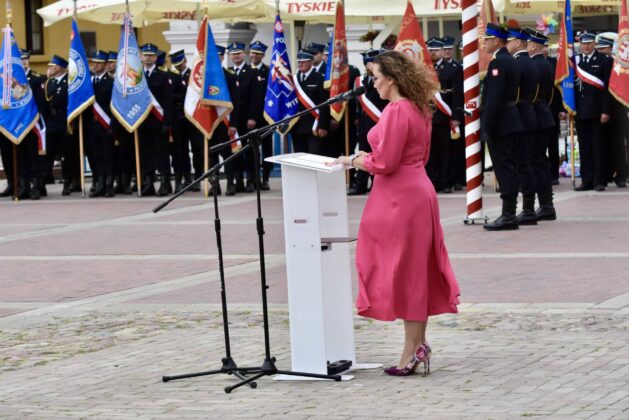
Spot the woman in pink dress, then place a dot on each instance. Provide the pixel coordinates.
(403, 267)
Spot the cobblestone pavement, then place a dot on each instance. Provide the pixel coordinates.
(100, 298)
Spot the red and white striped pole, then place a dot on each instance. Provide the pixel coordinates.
(471, 92)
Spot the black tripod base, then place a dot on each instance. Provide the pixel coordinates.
(268, 368)
(229, 367)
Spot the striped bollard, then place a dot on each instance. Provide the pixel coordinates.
(471, 93)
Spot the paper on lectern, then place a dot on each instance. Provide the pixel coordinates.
(307, 160)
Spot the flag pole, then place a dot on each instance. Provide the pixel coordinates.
(346, 142)
(572, 175)
(206, 165)
(82, 155)
(138, 177)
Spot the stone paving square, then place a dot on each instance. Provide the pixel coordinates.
(100, 297)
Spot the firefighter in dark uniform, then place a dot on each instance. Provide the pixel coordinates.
(242, 118)
(58, 140)
(28, 161)
(318, 63)
(112, 59)
(182, 133)
(309, 132)
(220, 135)
(367, 119)
(593, 110)
(500, 120)
(545, 133)
(457, 142)
(256, 51)
(440, 167)
(100, 137)
(154, 131)
(615, 131)
(174, 135)
(334, 145)
(528, 90)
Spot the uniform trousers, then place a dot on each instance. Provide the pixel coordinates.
(524, 162)
(153, 151)
(27, 158)
(591, 152)
(71, 165)
(540, 161)
(553, 152)
(267, 151)
(501, 153)
(361, 178)
(618, 128)
(124, 153)
(219, 136)
(440, 163)
(54, 143)
(102, 151)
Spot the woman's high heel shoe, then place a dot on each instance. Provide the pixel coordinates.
(423, 356)
(407, 370)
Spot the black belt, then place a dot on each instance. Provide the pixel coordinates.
(510, 103)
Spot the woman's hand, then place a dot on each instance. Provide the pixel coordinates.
(341, 160)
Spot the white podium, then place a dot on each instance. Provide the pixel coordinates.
(316, 232)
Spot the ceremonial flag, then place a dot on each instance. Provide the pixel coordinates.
(486, 14)
(564, 73)
(80, 89)
(19, 110)
(131, 99)
(328, 66)
(207, 99)
(281, 100)
(339, 71)
(619, 79)
(410, 40)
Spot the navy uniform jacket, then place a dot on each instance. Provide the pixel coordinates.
(161, 87)
(499, 113)
(56, 108)
(591, 101)
(313, 87)
(37, 83)
(451, 82)
(242, 92)
(546, 91)
(257, 105)
(529, 85)
(556, 105)
(365, 123)
(352, 103)
(102, 95)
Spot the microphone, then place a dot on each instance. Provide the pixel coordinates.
(350, 94)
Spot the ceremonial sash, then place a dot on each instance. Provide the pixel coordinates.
(370, 109)
(588, 78)
(455, 132)
(237, 145)
(101, 116)
(157, 109)
(307, 103)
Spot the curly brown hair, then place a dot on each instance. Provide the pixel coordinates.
(413, 81)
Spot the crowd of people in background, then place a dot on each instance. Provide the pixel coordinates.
(520, 123)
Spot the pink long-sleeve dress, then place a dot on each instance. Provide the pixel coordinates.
(403, 267)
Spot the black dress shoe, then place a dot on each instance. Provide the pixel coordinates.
(599, 188)
(231, 190)
(546, 213)
(265, 186)
(7, 192)
(583, 187)
(527, 218)
(504, 222)
(621, 184)
(67, 188)
(555, 182)
(447, 190)
(458, 187)
(249, 188)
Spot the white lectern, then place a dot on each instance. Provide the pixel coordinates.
(316, 232)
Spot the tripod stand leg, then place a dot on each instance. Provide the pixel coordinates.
(191, 375)
(336, 378)
(229, 389)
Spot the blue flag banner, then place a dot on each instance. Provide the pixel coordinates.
(19, 110)
(215, 90)
(281, 97)
(80, 89)
(565, 72)
(328, 66)
(131, 99)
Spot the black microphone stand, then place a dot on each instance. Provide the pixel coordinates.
(268, 367)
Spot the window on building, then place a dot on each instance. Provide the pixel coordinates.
(34, 27)
(89, 42)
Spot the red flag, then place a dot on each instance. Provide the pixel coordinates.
(486, 15)
(339, 79)
(619, 79)
(205, 115)
(411, 42)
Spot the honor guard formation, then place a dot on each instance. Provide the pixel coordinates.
(521, 114)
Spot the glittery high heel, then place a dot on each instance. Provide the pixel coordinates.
(407, 370)
(423, 356)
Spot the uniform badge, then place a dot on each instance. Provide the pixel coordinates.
(259, 78)
(494, 72)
